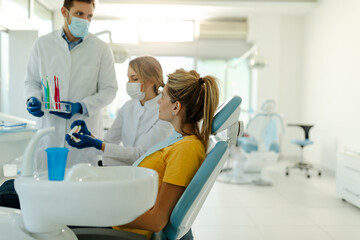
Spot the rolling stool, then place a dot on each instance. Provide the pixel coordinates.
(302, 165)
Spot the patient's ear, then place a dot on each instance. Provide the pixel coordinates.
(177, 108)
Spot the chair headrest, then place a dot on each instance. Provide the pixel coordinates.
(268, 106)
(226, 114)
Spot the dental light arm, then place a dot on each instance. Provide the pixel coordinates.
(120, 53)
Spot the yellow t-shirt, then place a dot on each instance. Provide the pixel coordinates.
(175, 164)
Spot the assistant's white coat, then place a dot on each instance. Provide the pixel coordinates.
(137, 128)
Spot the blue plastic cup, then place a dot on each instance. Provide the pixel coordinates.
(56, 159)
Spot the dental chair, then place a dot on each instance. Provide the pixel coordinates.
(258, 149)
(191, 201)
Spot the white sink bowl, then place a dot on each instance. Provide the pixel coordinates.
(89, 196)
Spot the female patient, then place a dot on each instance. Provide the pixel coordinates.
(185, 101)
(137, 125)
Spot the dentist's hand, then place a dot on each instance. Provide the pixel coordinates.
(84, 129)
(86, 141)
(34, 107)
(75, 108)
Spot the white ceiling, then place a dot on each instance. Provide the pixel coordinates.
(191, 9)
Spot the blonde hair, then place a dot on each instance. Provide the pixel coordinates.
(148, 69)
(199, 96)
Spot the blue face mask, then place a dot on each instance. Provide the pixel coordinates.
(79, 27)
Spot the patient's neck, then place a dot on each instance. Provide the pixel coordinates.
(185, 130)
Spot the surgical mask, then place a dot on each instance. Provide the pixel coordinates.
(133, 89)
(79, 27)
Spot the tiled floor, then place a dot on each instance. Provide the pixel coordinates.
(294, 208)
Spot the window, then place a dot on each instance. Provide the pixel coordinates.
(167, 31)
(121, 31)
(216, 68)
(42, 18)
(170, 63)
(234, 79)
(121, 95)
(18, 8)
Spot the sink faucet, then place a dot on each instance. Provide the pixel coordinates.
(29, 155)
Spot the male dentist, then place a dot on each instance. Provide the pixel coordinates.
(85, 68)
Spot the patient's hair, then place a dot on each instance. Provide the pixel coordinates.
(148, 69)
(199, 96)
(69, 3)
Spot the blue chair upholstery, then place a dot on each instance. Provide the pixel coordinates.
(248, 144)
(303, 143)
(275, 147)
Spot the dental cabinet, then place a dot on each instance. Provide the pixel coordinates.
(348, 177)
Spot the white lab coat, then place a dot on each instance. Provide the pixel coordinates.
(138, 128)
(86, 74)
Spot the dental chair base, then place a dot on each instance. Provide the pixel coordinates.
(12, 227)
(247, 168)
(111, 234)
(106, 234)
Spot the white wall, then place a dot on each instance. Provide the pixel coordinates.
(280, 41)
(331, 78)
(290, 82)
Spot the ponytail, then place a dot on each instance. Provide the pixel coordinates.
(199, 96)
(211, 101)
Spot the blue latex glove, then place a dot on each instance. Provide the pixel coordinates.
(34, 107)
(86, 141)
(84, 129)
(75, 108)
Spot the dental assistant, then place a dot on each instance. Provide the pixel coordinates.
(137, 126)
(85, 68)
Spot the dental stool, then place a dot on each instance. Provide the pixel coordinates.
(257, 149)
(302, 165)
(191, 201)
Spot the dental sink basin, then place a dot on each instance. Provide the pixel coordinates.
(88, 196)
